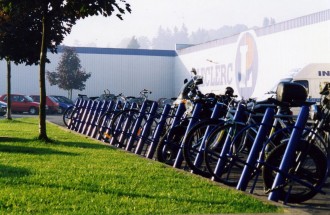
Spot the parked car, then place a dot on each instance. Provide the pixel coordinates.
(3, 108)
(52, 104)
(22, 103)
(63, 102)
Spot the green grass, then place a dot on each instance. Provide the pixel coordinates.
(78, 175)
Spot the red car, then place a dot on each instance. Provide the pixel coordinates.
(53, 106)
(21, 103)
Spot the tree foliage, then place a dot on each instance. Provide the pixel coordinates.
(133, 44)
(15, 35)
(46, 23)
(69, 74)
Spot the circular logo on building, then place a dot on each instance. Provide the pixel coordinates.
(246, 65)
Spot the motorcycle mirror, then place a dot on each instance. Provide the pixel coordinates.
(193, 70)
(185, 81)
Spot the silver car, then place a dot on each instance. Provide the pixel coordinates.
(3, 108)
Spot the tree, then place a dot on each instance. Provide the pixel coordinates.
(14, 35)
(164, 39)
(268, 21)
(144, 42)
(51, 21)
(69, 76)
(133, 44)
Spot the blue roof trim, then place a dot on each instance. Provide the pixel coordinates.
(118, 51)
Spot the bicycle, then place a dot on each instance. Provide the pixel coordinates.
(306, 182)
(310, 164)
(125, 121)
(229, 144)
(194, 141)
(69, 112)
(170, 144)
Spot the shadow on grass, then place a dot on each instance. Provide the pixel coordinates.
(56, 142)
(28, 149)
(9, 171)
(83, 145)
(18, 121)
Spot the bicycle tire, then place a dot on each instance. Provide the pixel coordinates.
(104, 126)
(312, 170)
(67, 114)
(192, 149)
(169, 145)
(75, 118)
(122, 125)
(233, 161)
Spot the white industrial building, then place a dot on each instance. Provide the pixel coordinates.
(251, 62)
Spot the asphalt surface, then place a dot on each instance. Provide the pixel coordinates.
(319, 205)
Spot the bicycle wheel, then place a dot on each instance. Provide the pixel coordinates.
(122, 125)
(67, 114)
(194, 145)
(169, 145)
(227, 168)
(310, 167)
(104, 126)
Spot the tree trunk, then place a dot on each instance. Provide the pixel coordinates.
(8, 89)
(70, 94)
(42, 82)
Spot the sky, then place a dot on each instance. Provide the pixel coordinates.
(148, 15)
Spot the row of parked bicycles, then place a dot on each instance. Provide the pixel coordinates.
(239, 143)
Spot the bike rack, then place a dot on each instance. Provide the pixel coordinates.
(133, 106)
(146, 129)
(89, 114)
(75, 120)
(158, 131)
(101, 108)
(287, 160)
(251, 161)
(194, 118)
(177, 117)
(83, 112)
(136, 127)
(238, 117)
(109, 108)
(200, 156)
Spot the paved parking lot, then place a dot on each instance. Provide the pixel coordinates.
(54, 118)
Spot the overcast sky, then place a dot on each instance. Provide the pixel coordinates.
(148, 15)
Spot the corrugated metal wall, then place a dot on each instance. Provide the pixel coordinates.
(125, 71)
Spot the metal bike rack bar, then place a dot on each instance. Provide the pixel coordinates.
(87, 121)
(200, 156)
(136, 126)
(158, 131)
(77, 104)
(195, 116)
(101, 108)
(131, 106)
(251, 161)
(287, 160)
(75, 120)
(146, 128)
(84, 115)
(177, 117)
(238, 117)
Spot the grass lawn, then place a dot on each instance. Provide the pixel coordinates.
(78, 175)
